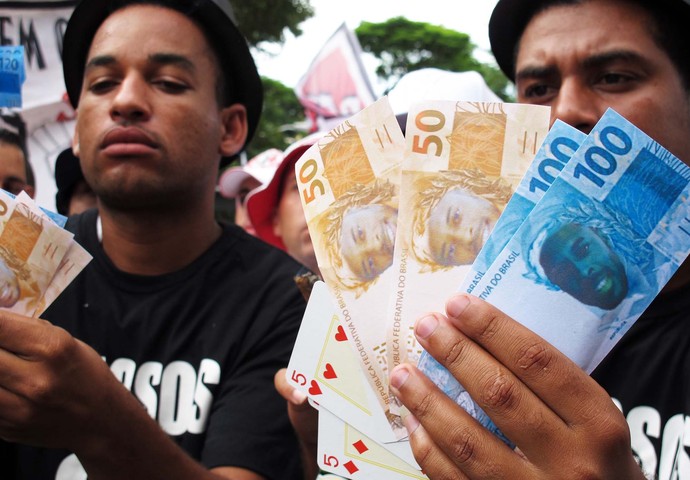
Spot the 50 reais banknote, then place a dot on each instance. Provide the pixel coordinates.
(462, 163)
(349, 184)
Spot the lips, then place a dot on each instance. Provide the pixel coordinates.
(128, 140)
(600, 282)
(604, 285)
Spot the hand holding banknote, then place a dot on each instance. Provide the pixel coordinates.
(564, 423)
(50, 382)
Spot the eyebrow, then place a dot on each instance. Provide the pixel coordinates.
(592, 62)
(156, 58)
(533, 71)
(605, 58)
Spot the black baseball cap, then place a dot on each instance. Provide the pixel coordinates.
(243, 84)
(510, 17)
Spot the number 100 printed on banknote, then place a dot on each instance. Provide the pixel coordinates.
(595, 251)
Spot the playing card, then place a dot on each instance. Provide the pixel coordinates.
(323, 366)
(347, 452)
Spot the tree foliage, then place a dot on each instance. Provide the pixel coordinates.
(403, 46)
(266, 20)
(281, 108)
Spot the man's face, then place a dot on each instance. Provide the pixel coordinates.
(582, 59)
(578, 260)
(459, 226)
(367, 238)
(12, 169)
(290, 223)
(149, 130)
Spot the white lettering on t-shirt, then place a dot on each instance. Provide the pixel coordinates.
(148, 377)
(673, 462)
(177, 396)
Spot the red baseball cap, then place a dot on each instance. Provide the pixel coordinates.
(263, 202)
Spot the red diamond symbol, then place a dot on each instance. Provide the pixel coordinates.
(360, 446)
(351, 467)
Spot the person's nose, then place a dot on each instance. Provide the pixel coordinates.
(131, 102)
(576, 105)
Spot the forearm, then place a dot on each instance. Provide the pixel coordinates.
(125, 442)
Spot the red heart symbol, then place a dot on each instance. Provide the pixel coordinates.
(314, 389)
(340, 334)
(329, 373)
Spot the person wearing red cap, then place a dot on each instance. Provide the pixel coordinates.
(157, 361)
(237, 182)
(580, 57)
(276, 212)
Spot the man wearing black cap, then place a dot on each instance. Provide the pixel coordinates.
(176, 318)
(580, 57)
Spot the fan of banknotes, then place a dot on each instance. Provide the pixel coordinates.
(573, 235)
(38, 258)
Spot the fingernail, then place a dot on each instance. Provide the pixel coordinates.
(456, 305)
(399, 376)
(426, 326)
(411, 423)
(298, 397)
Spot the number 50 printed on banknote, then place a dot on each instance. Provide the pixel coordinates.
(462, 163)
(349, 183)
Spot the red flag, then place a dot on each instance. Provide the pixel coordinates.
(336, 84)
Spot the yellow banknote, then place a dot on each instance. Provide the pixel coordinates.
(349, 183)
(74, 261)
(31, 250)
(461, 165)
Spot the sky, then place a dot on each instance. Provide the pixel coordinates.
(288, 63)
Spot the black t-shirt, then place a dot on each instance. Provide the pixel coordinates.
(648, 375)
(198, 347)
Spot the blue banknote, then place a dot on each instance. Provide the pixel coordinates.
(595, 251)
(12, 76)
(559, 145)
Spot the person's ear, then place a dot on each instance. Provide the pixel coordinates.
(234, 129)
